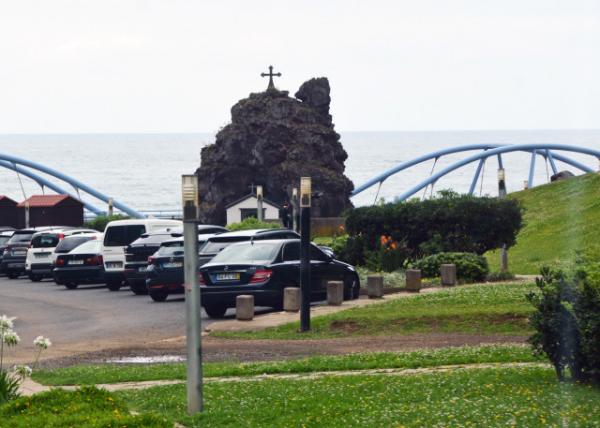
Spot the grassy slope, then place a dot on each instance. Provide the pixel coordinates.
(560, 218)
(113, 373)
(483, 309)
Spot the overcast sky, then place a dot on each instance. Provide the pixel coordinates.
(179, 66)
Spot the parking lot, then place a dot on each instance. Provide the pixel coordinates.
(88, 319)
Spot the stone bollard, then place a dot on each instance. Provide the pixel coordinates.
(375, 286)
(244, 307)
(291, 299)
(413, 280)
(448, 274)
(335, 293)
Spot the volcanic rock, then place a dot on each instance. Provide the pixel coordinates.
(273, 140)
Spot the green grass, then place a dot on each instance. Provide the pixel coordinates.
(499, 397)
(483, 309)
(87, 407)
(560, 219)
(113, 373)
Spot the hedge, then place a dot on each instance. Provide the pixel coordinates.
(469, 267)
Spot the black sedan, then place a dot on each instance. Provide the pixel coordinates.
(263, 269)
(82, 265)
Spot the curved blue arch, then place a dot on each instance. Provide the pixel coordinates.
(495, 152)
(544, 151)
(12, 162)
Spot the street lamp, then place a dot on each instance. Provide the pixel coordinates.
(189, 193)
(305, 192)
(259, 203)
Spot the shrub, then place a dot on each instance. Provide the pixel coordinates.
(469, 267)
(99, 223)
(448, 223)
(567, 321)
(500, 276)
(252, 223)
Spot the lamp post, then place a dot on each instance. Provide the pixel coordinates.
(305, 194)
(110, 207)
(27, 214)
(295, 209)
(502, 195)
(189, 188)
(259, 203)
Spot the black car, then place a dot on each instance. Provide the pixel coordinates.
(15, 254)
(263, 269)
(165, 269)
(5, 235)
(216, 244)
(82, 265)
(67, 245)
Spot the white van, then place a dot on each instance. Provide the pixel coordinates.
(117, 236)
(39, 259)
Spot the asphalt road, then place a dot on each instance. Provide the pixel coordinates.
(87, 319)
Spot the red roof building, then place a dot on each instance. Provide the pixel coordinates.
(52, 210)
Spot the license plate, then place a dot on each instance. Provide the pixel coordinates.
(114, 265)
(228, 276)
(15, 265)
(172, 265)
(19, 253)
(75, 262)
(40, 255)
(142, 269)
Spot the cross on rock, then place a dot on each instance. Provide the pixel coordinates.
(270, 74)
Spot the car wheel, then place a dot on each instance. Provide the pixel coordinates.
(351, 288)
(139, 289)
(158, 296)
(12, 275)
(71, 285)
(215, 311)
(35, 278)
(113, 285)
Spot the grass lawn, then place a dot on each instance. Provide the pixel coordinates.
(526, 397)
(560, 219)
(483, 309)
(113, 373)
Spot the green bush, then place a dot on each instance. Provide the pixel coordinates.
(500, 276)
(448, 223)
(469, 267)
(99, 223)
(567, 321)
(252, 223)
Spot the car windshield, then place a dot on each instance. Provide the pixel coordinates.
(170, 251)
(247, 253)
(121, 236)
(155, 239)
(70, 243)
(46, 240)
(90, 247)
(20, 237)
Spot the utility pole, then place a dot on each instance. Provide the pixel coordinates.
(110, 207)
(502, 195)
(193, 306)
(27, 214)
(295, 224)
(305, 286)
(259, 203)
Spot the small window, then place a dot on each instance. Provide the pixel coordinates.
(121, 236)
(45, 241)
(70, 243)
(291, 252)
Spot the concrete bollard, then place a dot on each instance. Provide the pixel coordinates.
(335, 293)
(291, 299)
(448, 274)
(375, 286)
(413, 280)
(244, 307)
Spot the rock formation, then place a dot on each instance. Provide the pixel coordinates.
(273, 140)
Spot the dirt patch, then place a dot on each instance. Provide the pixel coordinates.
(345, 326)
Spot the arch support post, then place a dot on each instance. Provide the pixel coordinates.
(552, 163)
(476, 176)
(531, 169)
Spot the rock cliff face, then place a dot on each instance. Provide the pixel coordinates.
(273, 140)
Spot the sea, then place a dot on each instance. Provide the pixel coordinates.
(144, 171)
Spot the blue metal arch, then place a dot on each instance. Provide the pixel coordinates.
(13, 162)
(489, 150)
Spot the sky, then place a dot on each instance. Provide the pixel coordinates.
(115, 66)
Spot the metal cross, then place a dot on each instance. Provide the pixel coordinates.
(270, 74)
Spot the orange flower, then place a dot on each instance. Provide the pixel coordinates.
(383, 240)
(342, 228)
(394, 245)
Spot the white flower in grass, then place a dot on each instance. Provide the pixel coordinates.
(6, 323)
(22, 371)
(11, 338)
(42, 342)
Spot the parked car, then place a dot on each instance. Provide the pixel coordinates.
(137, 255)
(263, 269)
(217, 243)
(118, 235)
(82, 265)
(69, 243)
(40, 255)
(4, 237)
(165, 268)
(15, 254)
